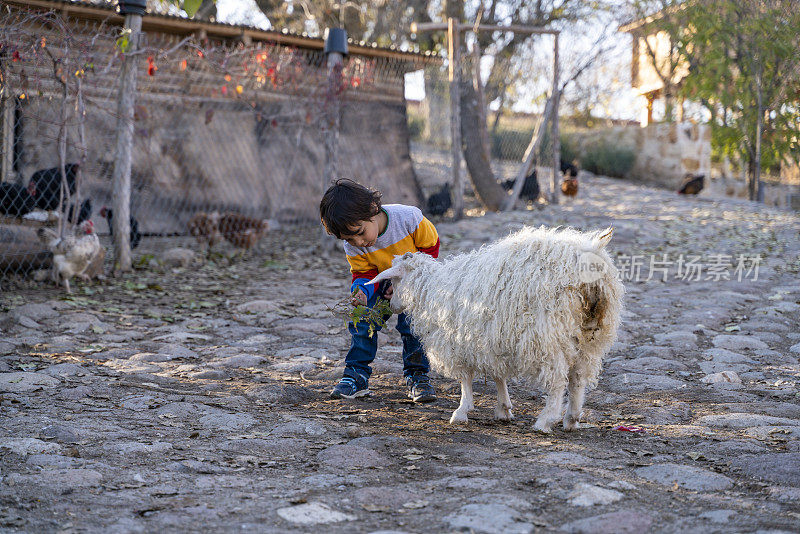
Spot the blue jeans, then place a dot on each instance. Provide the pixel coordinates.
(363, 349)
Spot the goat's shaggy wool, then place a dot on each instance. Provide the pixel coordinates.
(540, 303)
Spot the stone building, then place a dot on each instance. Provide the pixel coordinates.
(244, 133)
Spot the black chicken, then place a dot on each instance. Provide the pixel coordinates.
(692, 184)
(569, 169)
(45, 185)
(136, 236)
(15, 200)
(439, 203)
(530, 189)
(84, 213)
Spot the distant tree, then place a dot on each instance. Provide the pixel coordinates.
(389, 23)
(744, 66)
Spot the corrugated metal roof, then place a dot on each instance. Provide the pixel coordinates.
(175, 24)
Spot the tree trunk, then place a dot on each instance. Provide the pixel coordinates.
(759, 187)
(121, 177)
(488, 191)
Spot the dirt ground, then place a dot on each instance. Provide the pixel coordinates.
(196, 399)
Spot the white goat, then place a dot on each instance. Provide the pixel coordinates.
(541, 303)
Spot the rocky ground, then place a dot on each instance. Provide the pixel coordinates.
(197, 398)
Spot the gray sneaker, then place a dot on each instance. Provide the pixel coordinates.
(348, 389)
(420, 388)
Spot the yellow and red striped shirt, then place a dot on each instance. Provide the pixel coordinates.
(407, 230)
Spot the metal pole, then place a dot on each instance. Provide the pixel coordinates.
(335, 50)
(332, 120)
(555, 188)
(454, 53)
(121, 180)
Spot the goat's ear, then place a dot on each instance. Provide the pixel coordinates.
(605, 237)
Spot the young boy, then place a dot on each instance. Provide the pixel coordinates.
(373, 235)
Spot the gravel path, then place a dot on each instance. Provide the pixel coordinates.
(196, 398)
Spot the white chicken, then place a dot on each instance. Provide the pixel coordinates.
(71, 254)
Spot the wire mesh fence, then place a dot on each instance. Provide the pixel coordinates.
(509, 131)
(229, 139)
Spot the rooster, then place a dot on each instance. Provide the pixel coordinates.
(72, 254)
(205, 228)
(242, 231)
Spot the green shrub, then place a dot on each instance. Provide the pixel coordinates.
(508, 143)
(608, 160)
(416, 127)
(511, 144)
(569, 151)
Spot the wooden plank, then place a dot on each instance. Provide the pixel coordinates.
(530, 155)
(555, 185)
(516, 28)
(19, 221)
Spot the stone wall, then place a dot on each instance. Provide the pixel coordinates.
(222, 155)
(779, 195)
(665, 153)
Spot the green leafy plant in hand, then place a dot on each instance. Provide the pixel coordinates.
(375, 317)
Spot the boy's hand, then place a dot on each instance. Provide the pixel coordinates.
(359, 298)
(387, 293)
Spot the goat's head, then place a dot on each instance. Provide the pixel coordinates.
(401, 266)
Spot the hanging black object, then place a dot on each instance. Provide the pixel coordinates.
(335, 41)
(132, 7)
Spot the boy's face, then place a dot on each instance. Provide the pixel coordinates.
(364, 234)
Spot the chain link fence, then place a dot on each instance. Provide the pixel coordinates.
(229, 138)
(509, 131)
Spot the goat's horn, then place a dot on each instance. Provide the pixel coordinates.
(605, 238)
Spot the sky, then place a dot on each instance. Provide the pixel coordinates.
(607, 81)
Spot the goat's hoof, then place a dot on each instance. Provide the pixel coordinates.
(571, 423)
(503, 414)
(544, 428)
(458, 418)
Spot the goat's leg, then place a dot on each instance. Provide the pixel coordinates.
(577, 393)
(467, 403)
(66, 284)
(553, 406)
(503, 409)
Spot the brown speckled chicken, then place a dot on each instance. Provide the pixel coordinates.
(205, 228)
(242, 231)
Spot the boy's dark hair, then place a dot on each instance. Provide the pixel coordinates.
(345, 204)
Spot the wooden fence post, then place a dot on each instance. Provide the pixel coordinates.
(555, 185)
(121, 180)
(454, 54)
